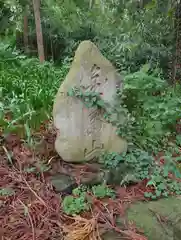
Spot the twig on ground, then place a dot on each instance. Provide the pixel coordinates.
(31, 221)
(159, 219)
(36, 195)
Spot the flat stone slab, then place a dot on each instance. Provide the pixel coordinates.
(159, 219)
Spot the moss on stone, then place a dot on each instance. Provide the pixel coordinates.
(145, 219)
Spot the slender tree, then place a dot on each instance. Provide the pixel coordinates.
(25, 28)
(177, 64)
(39, 34)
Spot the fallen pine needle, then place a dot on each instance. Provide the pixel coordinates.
(82, 229)
(36, 195)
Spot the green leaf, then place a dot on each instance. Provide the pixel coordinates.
(6, 192)
(147, 194)
(165, 194)
(71, 93)
(87, 99)
(151, 183)
(177, 173)
(94, 99)
(158, 193)
(161, 186)
(87, 94)
(101, 103)
(119, 158)
(145, 68)
(30, 169)
(178, 192)
(153, 197)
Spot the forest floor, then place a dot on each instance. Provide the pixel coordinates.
(30, 208)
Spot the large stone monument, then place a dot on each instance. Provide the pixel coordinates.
(81, 132)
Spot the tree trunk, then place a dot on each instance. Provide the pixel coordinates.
(39, 35)
(25, 29)
(176, 73)
(90, 4)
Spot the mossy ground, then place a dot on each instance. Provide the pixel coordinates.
(157, 218)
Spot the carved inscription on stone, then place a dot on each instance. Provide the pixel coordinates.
(94, 126)
(92, 82)
(95, 75)
(94, 131)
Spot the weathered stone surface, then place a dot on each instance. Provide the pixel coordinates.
(159, 219)
(177, 230)
(91, 179)
(82, 133)
(120, 175)
(63, 183)
(111, 235)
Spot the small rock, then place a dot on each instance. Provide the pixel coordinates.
(120, 175)
(63, 183)
(91, 179)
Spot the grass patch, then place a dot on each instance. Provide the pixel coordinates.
(27, 92)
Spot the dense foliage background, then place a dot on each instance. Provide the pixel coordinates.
(132, 34)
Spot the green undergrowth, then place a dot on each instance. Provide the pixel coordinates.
(143, 166)
(27, 91)
(139, 161)
(150, 109)
(81, 198)
(139, 165)
(38, 168)
(6, 192)
(146, 109)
